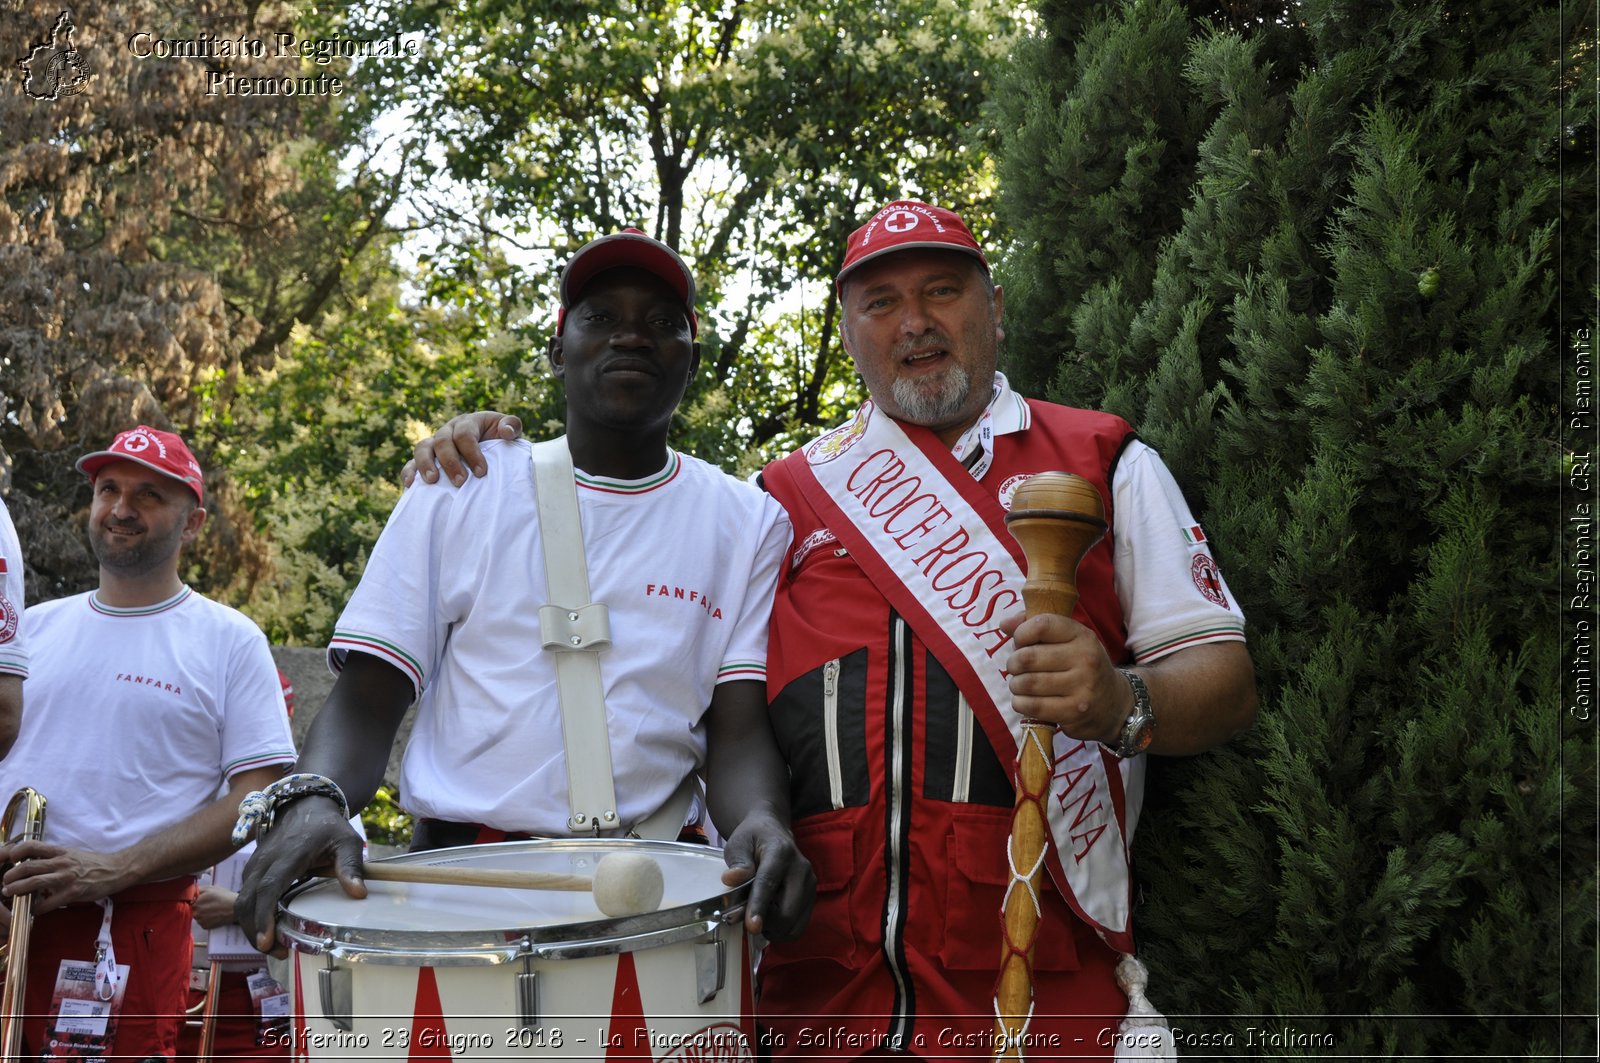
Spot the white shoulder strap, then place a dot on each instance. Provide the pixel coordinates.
(574, 629)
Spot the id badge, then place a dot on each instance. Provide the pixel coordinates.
(271, 1001)
(82, 1026)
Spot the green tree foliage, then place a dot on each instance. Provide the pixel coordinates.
(159, 240)
(1311, 251)
(750, 135)
(317, 442)
(222, 264)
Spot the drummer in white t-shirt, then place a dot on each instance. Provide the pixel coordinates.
(684, 557)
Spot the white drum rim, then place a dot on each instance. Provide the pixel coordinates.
(594, 937)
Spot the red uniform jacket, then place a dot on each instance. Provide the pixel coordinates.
(903, 807)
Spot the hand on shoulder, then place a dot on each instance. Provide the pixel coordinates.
(455, 448)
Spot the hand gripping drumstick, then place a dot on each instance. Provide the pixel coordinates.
(623, 883)
(1056, 517)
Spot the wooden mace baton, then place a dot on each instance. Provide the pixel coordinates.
(1056, 517)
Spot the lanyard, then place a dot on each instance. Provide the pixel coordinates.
(105, 957)
(980, 436)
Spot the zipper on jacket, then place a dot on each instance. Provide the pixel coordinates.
(897, 750)
(963, 774)
(830, 730)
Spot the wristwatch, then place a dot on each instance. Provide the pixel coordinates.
(1140, 729)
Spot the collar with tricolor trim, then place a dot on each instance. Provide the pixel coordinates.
(1008, 409)
(138, 610)
(612, 486)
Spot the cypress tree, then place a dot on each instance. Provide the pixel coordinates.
(1317, 266)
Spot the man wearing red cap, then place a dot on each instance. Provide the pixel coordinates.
(901, 512)
(900, 668)
(452, 613)
(145, 701)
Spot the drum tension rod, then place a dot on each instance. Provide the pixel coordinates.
(710, 967)
(337, 994)
(528, 990)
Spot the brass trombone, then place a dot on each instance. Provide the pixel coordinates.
(205, 1012)
(27, 803)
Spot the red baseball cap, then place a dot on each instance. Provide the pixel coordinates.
(630, 247)
(161, 451)
(906, 224)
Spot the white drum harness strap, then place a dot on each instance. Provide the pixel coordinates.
(574, 630)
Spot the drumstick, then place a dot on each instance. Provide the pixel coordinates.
(448, 875)
(623, 883)
(1056, 517)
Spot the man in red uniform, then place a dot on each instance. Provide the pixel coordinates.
(901, 666)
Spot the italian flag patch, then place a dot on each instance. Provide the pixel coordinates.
(1194, 535)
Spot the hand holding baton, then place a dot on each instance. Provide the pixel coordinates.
(1056, 517)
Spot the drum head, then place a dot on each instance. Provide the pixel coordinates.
(319, 916)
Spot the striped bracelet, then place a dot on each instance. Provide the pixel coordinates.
(260, 808)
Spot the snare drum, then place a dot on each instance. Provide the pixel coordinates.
(474, 972)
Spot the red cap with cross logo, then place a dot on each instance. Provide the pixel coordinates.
(161, 451)
(906, 224)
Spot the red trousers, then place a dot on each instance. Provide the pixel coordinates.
(150, 934)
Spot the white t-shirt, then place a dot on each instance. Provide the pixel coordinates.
(1172, 592)
(686, 562)
(13, 650)
(136, 717)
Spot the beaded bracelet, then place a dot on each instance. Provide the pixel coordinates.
(260, 808)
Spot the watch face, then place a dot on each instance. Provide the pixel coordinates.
(1145, 734)
(1140, 729)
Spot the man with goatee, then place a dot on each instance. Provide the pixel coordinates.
(145, 701)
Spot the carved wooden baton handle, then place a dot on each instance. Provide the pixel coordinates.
(1056, 517)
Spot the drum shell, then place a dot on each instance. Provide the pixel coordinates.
(484, 972)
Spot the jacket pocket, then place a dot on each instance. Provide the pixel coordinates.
(976, 878)
(820, 722)
(832, 933)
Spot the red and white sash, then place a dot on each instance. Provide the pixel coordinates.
(934, 543)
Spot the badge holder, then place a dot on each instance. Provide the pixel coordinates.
(271, 1002)
(87, 1000)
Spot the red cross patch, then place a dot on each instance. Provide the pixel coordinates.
(1204, 572)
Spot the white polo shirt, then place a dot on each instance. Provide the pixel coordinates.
(686, 561)
(135, 718)
(13, 650)
(1172, 592)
